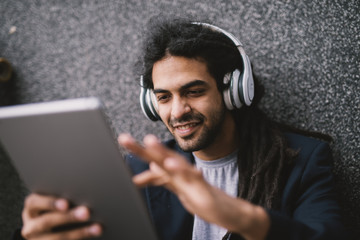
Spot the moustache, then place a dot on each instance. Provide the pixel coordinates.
(190, 117)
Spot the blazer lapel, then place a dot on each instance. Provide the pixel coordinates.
(167, 211)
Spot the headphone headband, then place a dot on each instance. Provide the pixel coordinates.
(217, 29)
(241, 91)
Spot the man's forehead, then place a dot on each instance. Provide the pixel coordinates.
(176, 72)
(183, 85)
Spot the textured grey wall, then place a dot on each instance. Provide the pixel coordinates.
(306, 53)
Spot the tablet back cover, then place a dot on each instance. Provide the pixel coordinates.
(66, 148)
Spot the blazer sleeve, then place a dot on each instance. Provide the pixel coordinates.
(310, 209)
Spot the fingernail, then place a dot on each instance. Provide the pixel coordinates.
(171, 163)
(125, 137)
(95, 230)
(61, 204)
(81, 213)
(150, 139)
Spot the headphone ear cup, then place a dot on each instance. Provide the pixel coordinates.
(241, 89)
(242, 85)
(146, 103)
(153, 104)
(227, 92)
(227, 99)
(248, 85)
(246, 81)
(236, 92)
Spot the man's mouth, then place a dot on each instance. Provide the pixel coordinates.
(184, 127)
(184, 130)
(187, 125)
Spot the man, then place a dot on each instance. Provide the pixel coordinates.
(230, 173)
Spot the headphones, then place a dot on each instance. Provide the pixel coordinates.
(241, 83)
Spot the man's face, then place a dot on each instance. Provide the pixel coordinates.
(189, 102)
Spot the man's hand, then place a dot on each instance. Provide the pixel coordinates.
(170, 169)
(41, 214)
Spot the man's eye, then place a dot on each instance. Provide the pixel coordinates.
(162, 98)
(196, 92)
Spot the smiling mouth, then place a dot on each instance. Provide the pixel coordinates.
(185, 130)
(187, 126)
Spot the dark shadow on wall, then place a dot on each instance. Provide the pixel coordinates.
(9, 92)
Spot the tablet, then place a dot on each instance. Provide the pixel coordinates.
(66, 148)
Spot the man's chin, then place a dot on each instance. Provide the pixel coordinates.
(187, 148)
(188, 144)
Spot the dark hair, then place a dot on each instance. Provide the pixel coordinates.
(179, 37)
(263, 152)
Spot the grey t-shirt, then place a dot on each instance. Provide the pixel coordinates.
(221, 173)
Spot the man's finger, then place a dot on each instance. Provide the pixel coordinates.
(161, 152)
(130, 144)
(90, 231)
(36, 204)
(47, 221)
(155, 149)
(155, 176)
(143, 179)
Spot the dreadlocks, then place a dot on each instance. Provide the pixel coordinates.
(263, 158)
(263, 153)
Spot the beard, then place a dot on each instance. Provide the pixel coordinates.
(208, 132)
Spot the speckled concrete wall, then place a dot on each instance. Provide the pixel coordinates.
(306, 54)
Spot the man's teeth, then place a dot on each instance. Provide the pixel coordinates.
(186, 126)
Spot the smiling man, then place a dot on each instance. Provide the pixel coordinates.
(191, 106)
(236, 174)
(229, 172)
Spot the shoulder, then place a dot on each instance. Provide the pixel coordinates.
(309, 148)
(297, 141)
(313, 164)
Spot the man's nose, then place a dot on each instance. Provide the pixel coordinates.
(179, 108)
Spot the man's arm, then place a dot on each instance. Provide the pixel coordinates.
(169, 169)
(309, 197)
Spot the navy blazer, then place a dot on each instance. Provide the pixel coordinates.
(308, 208)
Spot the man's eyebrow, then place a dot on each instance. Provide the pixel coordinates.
(159, 90)
(194, 84)
(186, 86)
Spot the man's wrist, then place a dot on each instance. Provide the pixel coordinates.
(250, 221)
(259, 224)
